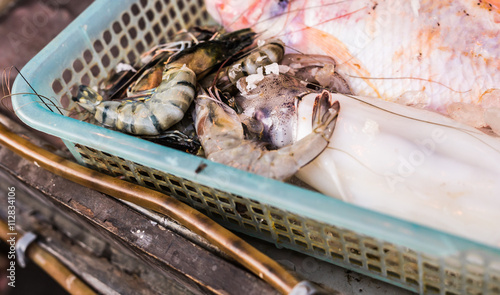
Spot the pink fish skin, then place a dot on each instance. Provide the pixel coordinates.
(433, 52)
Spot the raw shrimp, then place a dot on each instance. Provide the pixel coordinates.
(430, 53)
(221, 135)
(164, 108)
(169, 101)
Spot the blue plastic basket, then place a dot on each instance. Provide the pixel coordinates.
(108, 32)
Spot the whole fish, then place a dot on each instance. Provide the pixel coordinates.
(429, 53)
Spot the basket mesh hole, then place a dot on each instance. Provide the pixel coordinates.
(197, 200)
(372, 257)
(171, 12)
(351, 239)
(257, 210)
(144, 3)
(180, 193)
(107, 37)
(84, 156)
(430, 288)
(190, 188)
(98, 47)
(276, 216)
(149, 183)
(180, 4)
(298, 233)
(170, 33)
(143, 173)
(320, 250)
(337, 255)
(451, 293)
(193, 9)
(150, 15)
(65, 101)
(135, 9)
(391, 262)
(200, 3)
(140, 47)
(148, 38)
(354, 251)
(157, 30)
(331, 233)
(294, 221)
(141, 24)
(212, 205)
(87, 56)
(132, 32)
(185, 17)
(406, 258)
(126, 168)
(78, 65)
(176, 183)
(280, 227)
(106, 61)
(85, 80)
(124, 42)
(115, 51)
(56, 86)
(164, 20)
(240, 207)
(165, 189)
(431, 267)
(178, 26)
(224, 200)
(126, 19)
(95, 70)
(158, 177)
(393, 274)
(208, 195)
(131, 56)
(355, 261)
(282, 238)
(229, 211)
(158, 6)
(301, 244)
(117, 28)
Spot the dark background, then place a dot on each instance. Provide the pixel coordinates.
(26, 26)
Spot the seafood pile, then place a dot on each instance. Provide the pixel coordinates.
(432, 58)
(258, 101)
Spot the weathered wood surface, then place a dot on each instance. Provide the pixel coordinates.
(185, 262)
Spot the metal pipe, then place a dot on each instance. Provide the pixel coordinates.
(52, 266)
(255, 261)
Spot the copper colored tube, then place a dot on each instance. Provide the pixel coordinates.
(53, 267)
(255, 261)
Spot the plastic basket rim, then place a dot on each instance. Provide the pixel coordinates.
(284, 196)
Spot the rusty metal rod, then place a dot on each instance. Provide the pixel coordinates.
(255, 261)
(52, 266)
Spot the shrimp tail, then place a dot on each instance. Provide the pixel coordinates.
(324, 118)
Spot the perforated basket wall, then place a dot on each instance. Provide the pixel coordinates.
(109, 32)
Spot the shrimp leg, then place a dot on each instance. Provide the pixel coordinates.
(221, 135)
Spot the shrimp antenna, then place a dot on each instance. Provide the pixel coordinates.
(36, 93)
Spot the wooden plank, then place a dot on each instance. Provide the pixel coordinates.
(156, 244)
